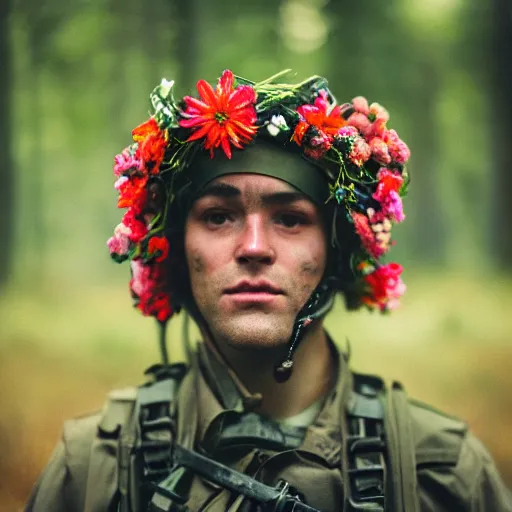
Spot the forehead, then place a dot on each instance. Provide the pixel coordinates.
(255, 185)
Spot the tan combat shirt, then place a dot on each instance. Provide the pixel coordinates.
(454, 473)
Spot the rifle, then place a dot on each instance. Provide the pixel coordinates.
(270, 499)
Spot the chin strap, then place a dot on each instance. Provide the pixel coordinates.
(317, 306)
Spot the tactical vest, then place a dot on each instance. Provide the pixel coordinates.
(378, 467)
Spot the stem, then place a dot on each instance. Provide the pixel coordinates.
(273, 77)
(161, 338)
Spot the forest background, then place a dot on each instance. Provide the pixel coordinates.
(75, 78)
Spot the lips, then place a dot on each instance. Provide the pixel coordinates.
(254, 287)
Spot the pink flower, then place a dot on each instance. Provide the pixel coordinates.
(360, 152)
(380, 151)
(376, 129)
(120, 182)
(148, 285)
(348, 131)
(359, 121)
(372, 245)
(393, 207)
(388, 180)
(378, 113)
(360, 104)
(384, 287)
(119, 243)
(398, 149)
(141, 282)
(387, 194)
(317, 146)
(125, 162)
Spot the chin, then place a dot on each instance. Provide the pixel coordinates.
(255, 333)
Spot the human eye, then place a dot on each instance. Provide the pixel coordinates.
(216, 218)
(291, 220)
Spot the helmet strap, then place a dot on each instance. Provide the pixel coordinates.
(316, 307)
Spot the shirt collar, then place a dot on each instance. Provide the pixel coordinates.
(217, 393)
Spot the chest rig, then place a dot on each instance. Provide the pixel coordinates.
(162, 471)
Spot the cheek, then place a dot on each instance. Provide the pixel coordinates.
(204, 256)
(311, 264)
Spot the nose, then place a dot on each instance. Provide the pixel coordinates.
(254, 245)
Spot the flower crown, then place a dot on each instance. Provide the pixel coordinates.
(365, 162)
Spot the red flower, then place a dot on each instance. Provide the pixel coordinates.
(384, 287)
(152, 143)
(374, 246)
(148, 286)
(158, 306)
(132, 192)
(225, 115)
(138, 229)
(158, 248)
(318, 115)
(389, 181)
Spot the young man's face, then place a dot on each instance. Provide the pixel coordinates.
(256, 249)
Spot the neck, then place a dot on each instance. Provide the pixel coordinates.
(311, 379)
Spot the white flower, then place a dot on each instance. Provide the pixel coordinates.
(276, 125)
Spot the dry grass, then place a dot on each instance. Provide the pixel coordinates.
(61, 352)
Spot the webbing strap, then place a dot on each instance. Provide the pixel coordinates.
(407, 462)
(365, 466)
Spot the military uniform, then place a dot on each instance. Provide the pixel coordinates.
(441, 466)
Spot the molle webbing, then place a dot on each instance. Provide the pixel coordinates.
(369, 437)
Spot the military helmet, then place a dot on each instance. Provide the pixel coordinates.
(343, 156)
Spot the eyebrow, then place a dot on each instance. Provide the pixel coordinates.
(225, 191)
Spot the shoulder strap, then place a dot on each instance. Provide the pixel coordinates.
(364, 460)
(401, 450)
(380, 466)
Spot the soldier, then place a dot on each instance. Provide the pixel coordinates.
(250, 207)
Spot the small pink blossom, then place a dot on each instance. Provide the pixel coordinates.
(120, 181)
(360, 104)
(348, 131)
(387, 194)
(124, 162)
(359, 121)
(398, 149)
(379, 113)
(376, 129)
(141, 283)
(360, 152)
(119, 243)
(380, 151)
(364, 230)
(317, 146)
(392, 206)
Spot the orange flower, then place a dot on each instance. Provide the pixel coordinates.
(132, 192)
(318, 115)
(152, 143)
(225, 115)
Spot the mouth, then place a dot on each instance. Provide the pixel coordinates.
(257, 287)
(246, 293)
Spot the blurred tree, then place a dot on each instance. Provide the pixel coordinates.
(380, 54)
(7, 205)
(186, 41)
(501, 90)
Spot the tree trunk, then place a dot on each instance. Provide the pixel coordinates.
(501, 88)
(186, 43)
(6, 160)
